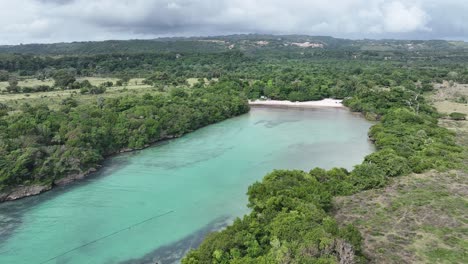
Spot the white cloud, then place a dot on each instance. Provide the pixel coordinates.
(400, 18)
(69, 20)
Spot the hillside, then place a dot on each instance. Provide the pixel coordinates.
(248, 43)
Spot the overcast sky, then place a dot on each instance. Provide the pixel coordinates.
(45, 21)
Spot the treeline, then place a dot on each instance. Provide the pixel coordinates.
(218, 64)
(188, 64)
(303, 81)
(41, 145)
(250, 43)
(291, 220)
(116, 46)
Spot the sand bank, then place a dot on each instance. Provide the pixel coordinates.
(322, 103)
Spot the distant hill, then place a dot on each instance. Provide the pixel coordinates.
(249, 43)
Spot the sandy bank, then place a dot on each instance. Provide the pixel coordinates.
(322, 103)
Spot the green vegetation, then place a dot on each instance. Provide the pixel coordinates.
(42, 145)
(185, 84)
(457, 116)
(419, 217)
(247, 43)
(288, 222)
(407, 138)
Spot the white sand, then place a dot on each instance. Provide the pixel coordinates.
(322, 103)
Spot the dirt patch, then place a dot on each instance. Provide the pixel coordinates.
(448, 91)
(307, 45)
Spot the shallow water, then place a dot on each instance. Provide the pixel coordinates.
(152, 205)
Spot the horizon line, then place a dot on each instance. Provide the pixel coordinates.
(228, 35)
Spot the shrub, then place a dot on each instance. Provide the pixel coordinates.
(4, 76)
(107, 84)
(390, 162)
(368, 176)
(457, 116)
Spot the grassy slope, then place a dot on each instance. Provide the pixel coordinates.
(419, 218)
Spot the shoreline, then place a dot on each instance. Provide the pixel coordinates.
(24, 191)
(328, 102)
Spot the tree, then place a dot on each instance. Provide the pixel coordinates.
(13, 85)
(64, 79)
(124, 78)
(4, 76)
(3, 110)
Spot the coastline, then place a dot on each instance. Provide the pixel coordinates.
(328, 102)
(24, 191)
(20, 192)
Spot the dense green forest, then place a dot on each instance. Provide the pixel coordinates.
(42, 145)
(250, 43)
(290, 221)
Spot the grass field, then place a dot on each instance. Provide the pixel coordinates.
(192, 81)
(53, 98)
(419, 218)
(137, 82)
(447, 107)
(28, 83)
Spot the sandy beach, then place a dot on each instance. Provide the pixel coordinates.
(322, 103)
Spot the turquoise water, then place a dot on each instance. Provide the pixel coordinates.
(154, 204)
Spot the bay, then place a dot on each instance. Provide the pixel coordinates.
(154, 204)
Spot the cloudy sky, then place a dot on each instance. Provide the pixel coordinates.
(45, 21)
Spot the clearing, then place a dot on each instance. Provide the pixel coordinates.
(134, 87)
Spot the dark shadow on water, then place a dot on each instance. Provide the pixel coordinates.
(274, 123)
(175, 161)
(291, 114)
(174, 252)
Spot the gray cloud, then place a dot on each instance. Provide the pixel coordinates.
(25, 21)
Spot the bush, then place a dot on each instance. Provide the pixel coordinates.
(85, 84)
(457, 116)
(107, 84)
(4, 76)
(178, 92)
(69, 101)
(390, 162)
(368, 176)
(42, 88)
(93, 90)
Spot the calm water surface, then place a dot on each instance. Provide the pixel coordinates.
(152, 205)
